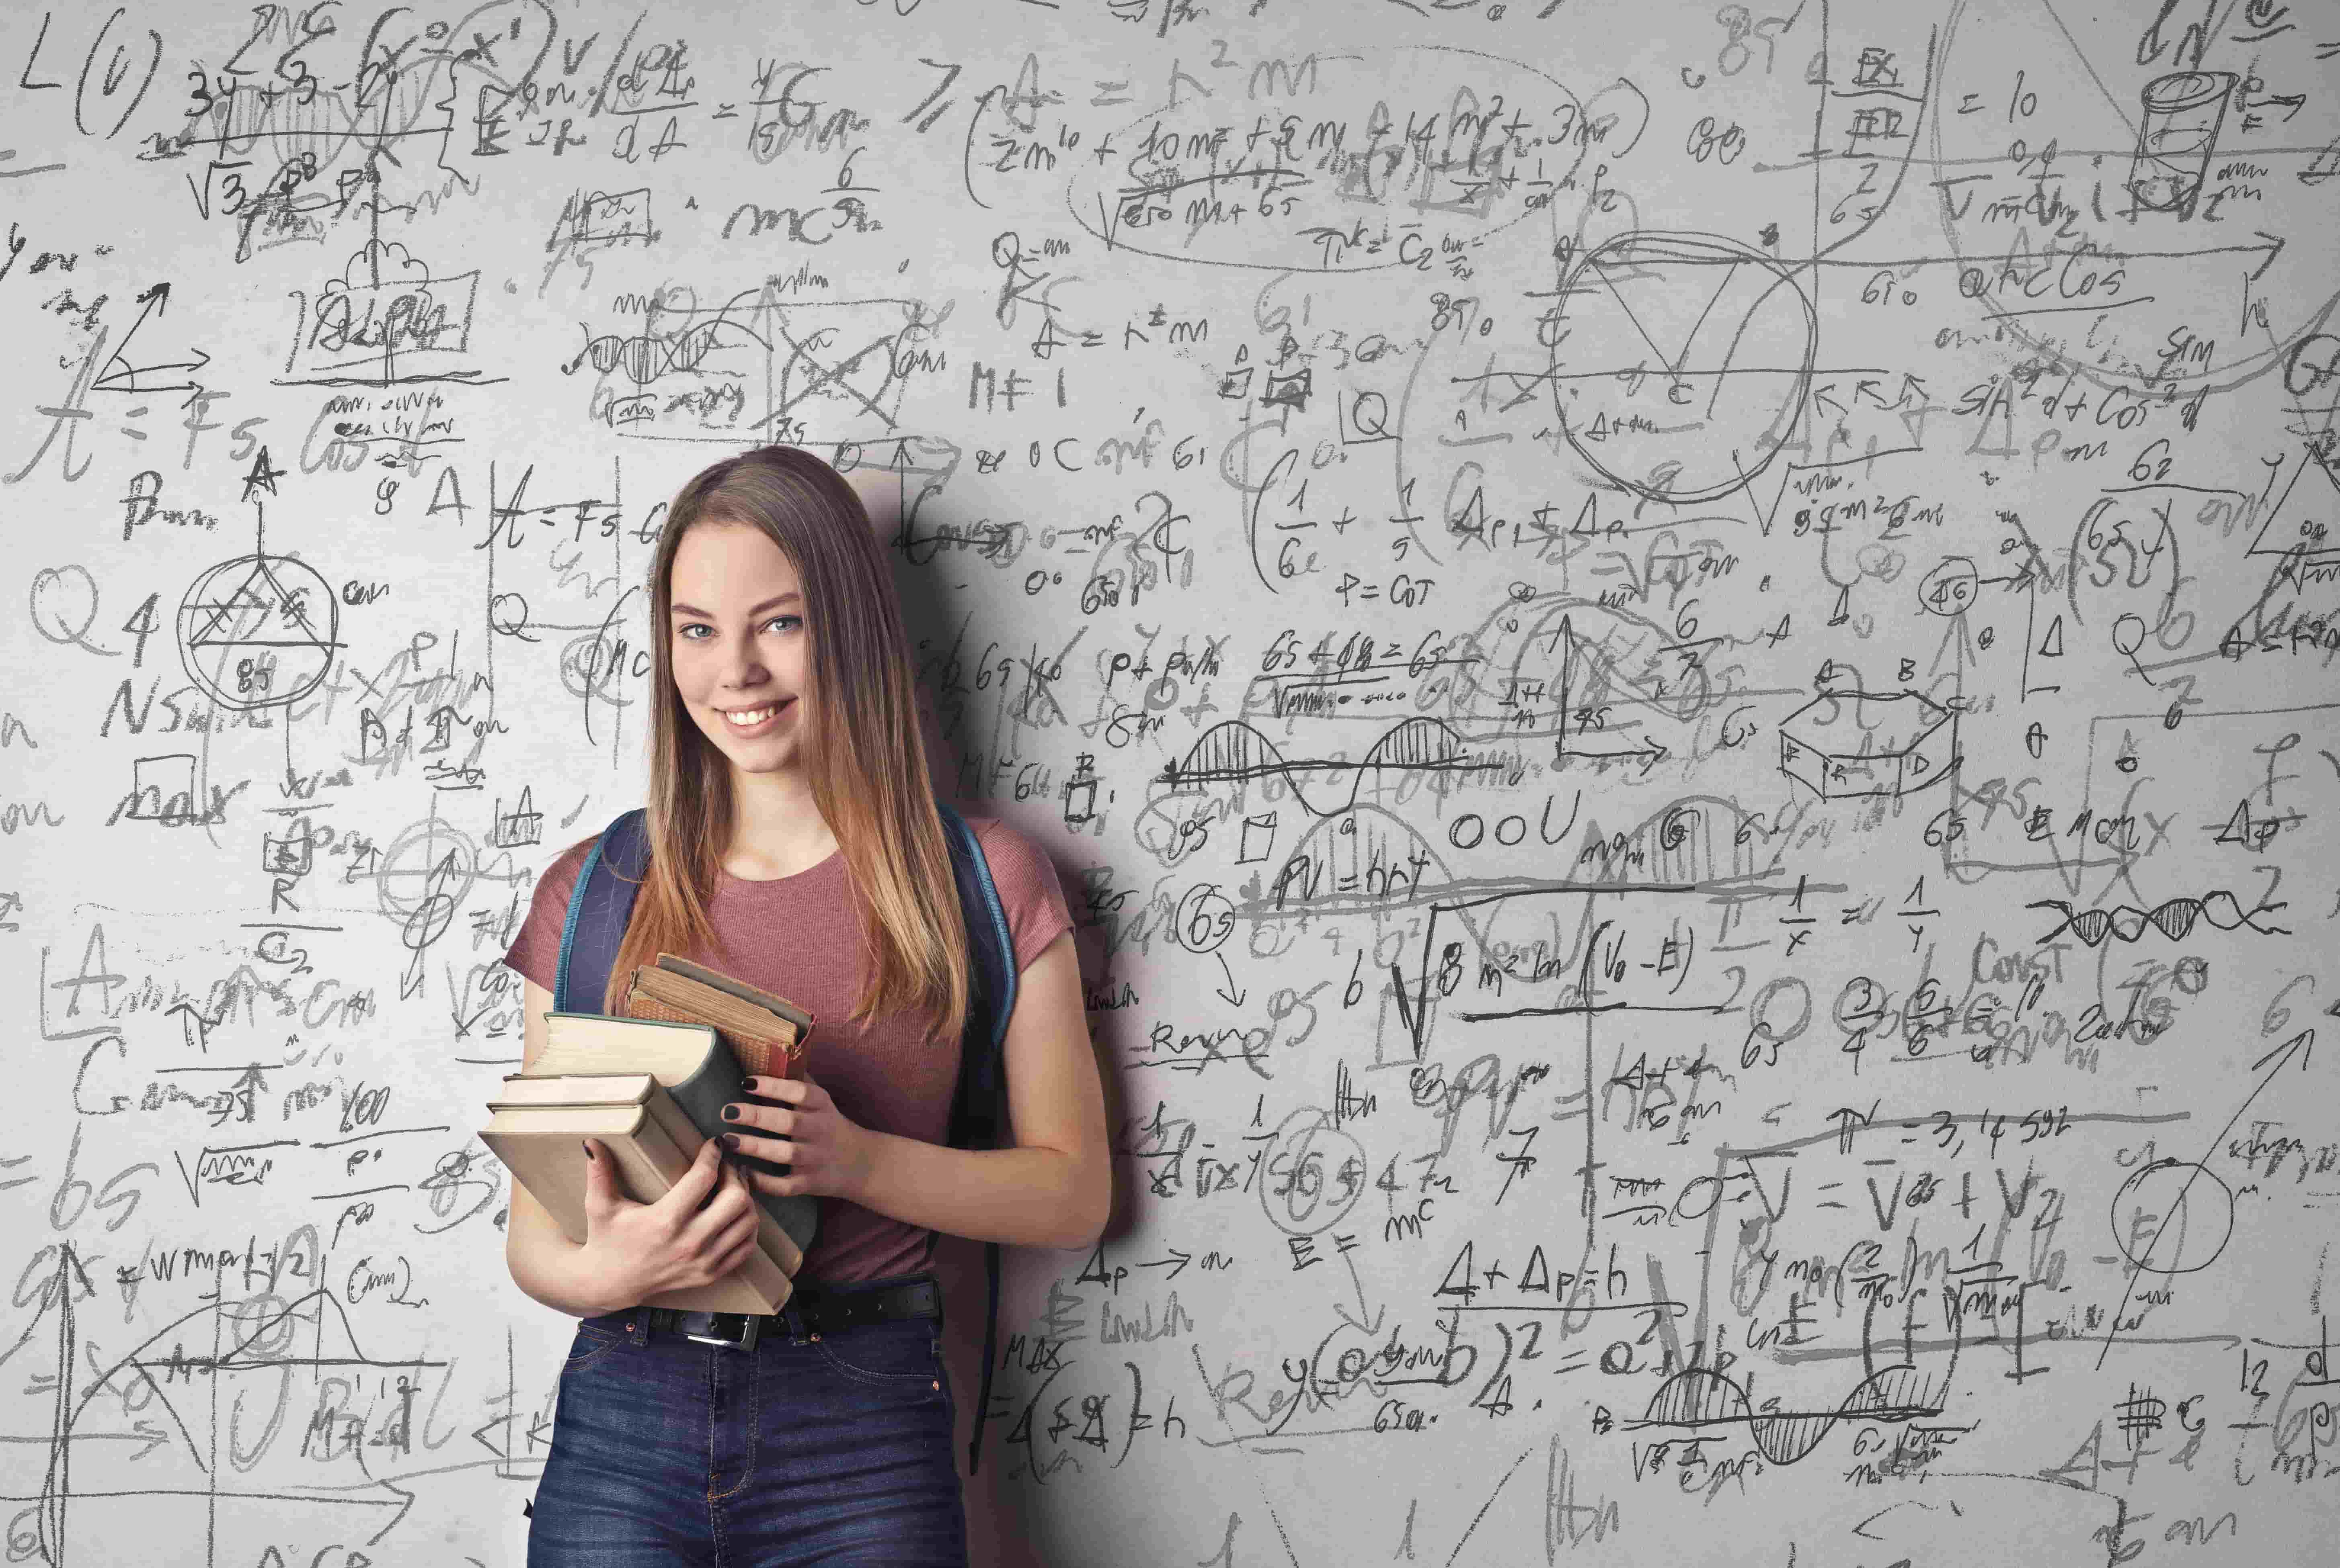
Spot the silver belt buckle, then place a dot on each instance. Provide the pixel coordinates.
(746, 1342)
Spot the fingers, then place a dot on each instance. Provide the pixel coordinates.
(739, 1239)
(740, 1253)
(726, 1245)
(742, 1237)
(601, 1176)
(705, 1171)
(731, 1199)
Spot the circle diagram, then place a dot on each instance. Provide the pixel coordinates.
(2173, 1217)
(1681, 363)
(258, 632)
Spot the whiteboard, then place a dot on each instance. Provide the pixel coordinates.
(1679, 659)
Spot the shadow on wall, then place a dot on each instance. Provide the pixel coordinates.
(998, 1534)
(884, 494)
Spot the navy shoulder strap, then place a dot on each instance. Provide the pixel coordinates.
(978, 1112)
(600, 907)
(979, 1108)
(602, 903)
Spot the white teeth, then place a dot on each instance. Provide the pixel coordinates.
(756, 716)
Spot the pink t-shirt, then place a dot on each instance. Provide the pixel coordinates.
(796, 936)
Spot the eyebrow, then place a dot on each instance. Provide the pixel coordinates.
(758, 609)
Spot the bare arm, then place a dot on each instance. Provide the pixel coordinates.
(1055, 1188)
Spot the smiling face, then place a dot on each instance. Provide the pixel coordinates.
(740, 644)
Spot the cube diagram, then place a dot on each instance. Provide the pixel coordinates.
(1844, 744)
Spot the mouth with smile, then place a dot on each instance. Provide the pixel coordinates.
(752, 721)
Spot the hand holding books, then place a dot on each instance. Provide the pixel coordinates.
(828, 1153)
(650, 1085)
(688, 1241)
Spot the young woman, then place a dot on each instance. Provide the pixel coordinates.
(796, 845)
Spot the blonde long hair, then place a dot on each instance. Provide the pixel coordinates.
(861, 748)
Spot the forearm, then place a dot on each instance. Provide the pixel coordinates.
(552, 1270)
(1022, 1196)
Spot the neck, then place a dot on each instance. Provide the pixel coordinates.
(777, 828)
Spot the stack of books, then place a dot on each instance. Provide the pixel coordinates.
(651, 1083)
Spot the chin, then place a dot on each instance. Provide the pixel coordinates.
(769, 754)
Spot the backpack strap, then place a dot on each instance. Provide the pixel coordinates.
(978, 1111)
(979, 1117)
(600, 906)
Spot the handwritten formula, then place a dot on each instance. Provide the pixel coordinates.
(1682, 662)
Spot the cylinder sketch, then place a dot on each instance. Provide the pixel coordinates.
(2175, 139)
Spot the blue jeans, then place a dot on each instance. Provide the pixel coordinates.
(802, 1451)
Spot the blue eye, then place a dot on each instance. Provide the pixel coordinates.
(685, 630)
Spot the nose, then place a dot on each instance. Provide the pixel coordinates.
(743, 671)
(741, 690)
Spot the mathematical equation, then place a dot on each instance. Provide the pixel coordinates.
(1678, 661)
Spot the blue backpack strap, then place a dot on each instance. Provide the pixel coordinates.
(980, 1109)
(979, 1117)
(600, 906)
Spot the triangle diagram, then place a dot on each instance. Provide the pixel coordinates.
(2304, 515)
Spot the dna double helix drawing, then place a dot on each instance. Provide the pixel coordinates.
(2173, 918)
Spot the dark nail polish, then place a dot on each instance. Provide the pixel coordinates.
(731, 1140)
(730, 1113)
(589, 1151)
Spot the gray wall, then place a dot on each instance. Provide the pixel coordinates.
(1680, 661)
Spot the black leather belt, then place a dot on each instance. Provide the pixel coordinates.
(809, 1310)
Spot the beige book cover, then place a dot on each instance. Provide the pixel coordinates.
(523, 1089)
(542, 1145)
(696, 1067)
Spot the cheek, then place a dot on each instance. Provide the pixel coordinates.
(689, 681)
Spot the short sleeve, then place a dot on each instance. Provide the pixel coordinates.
(1029, 890)
(535, 952)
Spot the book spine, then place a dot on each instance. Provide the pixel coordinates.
(779, 1006)
(702, 1097)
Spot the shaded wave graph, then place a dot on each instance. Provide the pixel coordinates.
(1235, 752)
(1699, 1396)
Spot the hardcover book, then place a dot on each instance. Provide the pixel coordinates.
(700, 1033)
(541, 1142)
